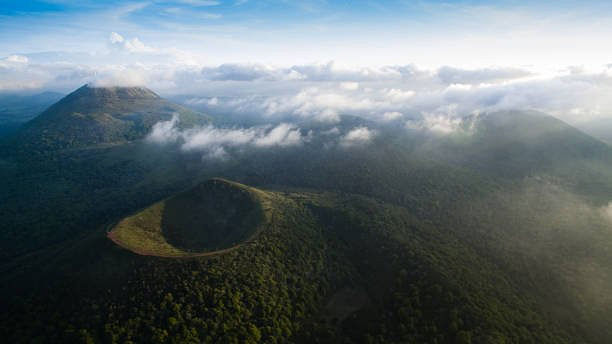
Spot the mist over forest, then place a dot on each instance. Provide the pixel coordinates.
(216, 171)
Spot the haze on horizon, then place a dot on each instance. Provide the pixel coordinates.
(431, 60)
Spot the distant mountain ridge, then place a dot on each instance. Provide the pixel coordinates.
(483, 235)
(100, 115)
(16, 109)
(520, 144)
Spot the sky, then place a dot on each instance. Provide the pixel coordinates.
(540, 34)
(435, 61)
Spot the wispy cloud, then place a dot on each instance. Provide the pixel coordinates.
(466, 35)
(123, 11)
(434, 99)
(214, 141)
(184, 14)
(452, 75)
(134, 45)
(200, 2)
(357, 136)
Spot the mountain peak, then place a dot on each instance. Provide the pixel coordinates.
(100, 115)
(116, 92)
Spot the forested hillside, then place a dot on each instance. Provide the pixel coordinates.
(92, 116)
(328, 269)
(412, 237)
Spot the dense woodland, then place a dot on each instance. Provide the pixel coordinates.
(421, 285)
(410, 239)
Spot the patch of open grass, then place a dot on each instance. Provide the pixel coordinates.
(211, 218)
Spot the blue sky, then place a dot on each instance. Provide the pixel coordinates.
(400, 59)
(428, 33)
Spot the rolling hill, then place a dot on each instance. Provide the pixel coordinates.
(325, 268)
(58, 159)
(515, 145)
(100, 115)
(497, 234)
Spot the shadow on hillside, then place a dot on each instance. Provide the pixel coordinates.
(211, 217)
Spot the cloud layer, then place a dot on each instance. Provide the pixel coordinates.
(357, 136)
(435, 99)
(215, 141)
(419, 98)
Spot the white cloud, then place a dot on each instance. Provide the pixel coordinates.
(209, 136)
(332, 131)
(214, 141)
(450, 75)
(115, 38)
(350, 86)
(17, 59)
(436, 123)
(606, 211)
(216, 153)
(357, 136)
(119, 77)
(282, 135)
(134, 45)
(391, 115)
(397, 95)
(324, 92)
(236, 72)
(349, 78)
(418, 95)
(188, 13)
(164, 131)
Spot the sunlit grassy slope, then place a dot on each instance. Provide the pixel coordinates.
(215, 215)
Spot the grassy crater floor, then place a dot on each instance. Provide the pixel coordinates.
(213, 217)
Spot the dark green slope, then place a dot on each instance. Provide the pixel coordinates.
(54, 197)
(82, 162)
(516, 144)
(51, 198)
(327, 269)
(16, 109)
(100, 115)
(600, 128)
(485, 253)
